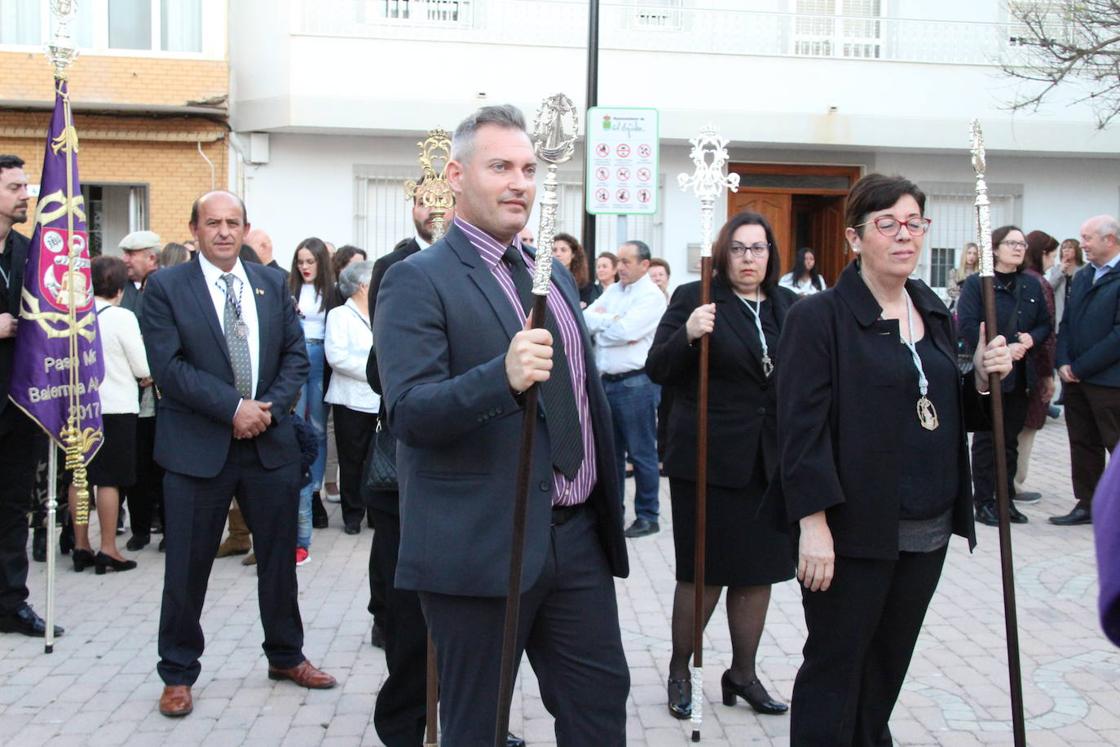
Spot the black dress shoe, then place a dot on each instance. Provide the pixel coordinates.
(103, 562)
(512, 740)
(39, 545)
(986, 513)
(66, 539)
(82, 559)
(1015, 515)
(377, 637)
(642, 528)
(1075, 517)
(753, 692)
(354, 528)
(137, 542)
(25, 621)
(680, 698)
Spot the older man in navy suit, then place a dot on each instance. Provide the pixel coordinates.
(227, 353)
(454, 357)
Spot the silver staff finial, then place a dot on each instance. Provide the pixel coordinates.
(709, 154)
(983, 205)
(61, 50)
(554, 137)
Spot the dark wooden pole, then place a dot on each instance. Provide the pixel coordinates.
(588, 232)
(698, 585)
(999, 440)
(431, 720)
(517, 551)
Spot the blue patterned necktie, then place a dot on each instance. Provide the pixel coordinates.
(237, 339)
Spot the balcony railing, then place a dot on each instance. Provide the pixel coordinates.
(662, 26)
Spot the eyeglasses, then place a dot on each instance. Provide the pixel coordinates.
(758, 251)
(1014, 244)
(890, 226)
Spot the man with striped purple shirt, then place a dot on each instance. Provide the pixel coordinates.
(455, 357)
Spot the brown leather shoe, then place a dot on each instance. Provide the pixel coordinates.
(304, 675)
(176, 701)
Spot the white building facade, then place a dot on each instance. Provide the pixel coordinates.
(329, 99)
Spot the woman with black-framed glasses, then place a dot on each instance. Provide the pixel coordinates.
(1024, 319)
(873, 464)
(746, 549)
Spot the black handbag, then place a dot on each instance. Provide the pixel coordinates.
(380, 472)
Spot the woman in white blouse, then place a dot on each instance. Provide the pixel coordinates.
(114, 466)
(804, 279)
(354, 404)
(310, 283)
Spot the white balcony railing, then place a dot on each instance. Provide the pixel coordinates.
(663, 26)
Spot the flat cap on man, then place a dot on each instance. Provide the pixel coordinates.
(139, 240)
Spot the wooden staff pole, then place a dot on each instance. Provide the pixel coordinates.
(999, 438)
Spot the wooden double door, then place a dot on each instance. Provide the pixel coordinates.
(804, 205)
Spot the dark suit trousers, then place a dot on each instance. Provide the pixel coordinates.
(352, 431)
(862, 633)
(1093, 422)
(196, 510)
(21, 442)
(145, 496)
(401, 704)
(569, 629)
(1015, 405)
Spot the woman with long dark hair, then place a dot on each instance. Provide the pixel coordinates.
(744, 547)
(567, 249)
(804, 279)
(311, 283)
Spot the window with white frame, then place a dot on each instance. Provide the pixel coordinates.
(451, 12)
(941, 261)
(838, 28)
(1050, 19)
(953, 212)
(144, 25)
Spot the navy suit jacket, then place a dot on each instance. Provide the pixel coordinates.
(189, 361)
(442, 329)
(1089, 337)
(17, 245)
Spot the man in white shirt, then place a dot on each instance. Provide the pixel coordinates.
(622, 322)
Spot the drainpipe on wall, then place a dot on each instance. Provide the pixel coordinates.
(213, 172)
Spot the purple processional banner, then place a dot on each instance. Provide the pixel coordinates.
(58, 365)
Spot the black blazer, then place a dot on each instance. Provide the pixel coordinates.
(1032, 315)
(1089, 340)
(17, 246)
(441, 332)
(742, 402)
(387, 501)
(842, 392)
(189, 361)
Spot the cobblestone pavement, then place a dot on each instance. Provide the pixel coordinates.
(100, 685)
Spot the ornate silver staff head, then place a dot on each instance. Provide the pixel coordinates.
(554, 139)
(983, 205)
(61, 50)
(708, 180)
(433, 191)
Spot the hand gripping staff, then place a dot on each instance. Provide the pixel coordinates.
(707, 182)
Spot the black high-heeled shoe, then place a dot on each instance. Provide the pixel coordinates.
(680, 699)
(753, 692)
(82, 559)
(105, 562)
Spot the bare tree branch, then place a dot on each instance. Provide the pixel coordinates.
(1063, 43)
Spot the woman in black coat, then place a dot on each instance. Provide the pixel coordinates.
(1024, 319)
(873, 464)
(746, 551)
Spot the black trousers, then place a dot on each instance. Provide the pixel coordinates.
(1093, 422)
(352, 432)
(145, 496)
(401, 704)
(1015, 406)
(21, 442)
(862, 633)
(196, 511)
(569, 629)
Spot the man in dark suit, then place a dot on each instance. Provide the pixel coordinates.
(140, 252)
(20, 439)
(227, 353)
(1088, 359)
(455, 357)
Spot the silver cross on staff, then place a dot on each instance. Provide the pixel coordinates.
(983, 204)
(554, 139)
(707, 182)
